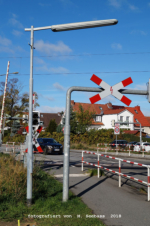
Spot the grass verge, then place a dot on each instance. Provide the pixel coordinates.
(47, 198)
(93, 172)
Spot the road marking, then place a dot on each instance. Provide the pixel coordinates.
(73, 175)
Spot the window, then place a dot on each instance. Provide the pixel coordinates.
(136, 120)
(41, 116)
(127, 118)
(41, 123)
(121, 118)
(98, 119)
(136, 111)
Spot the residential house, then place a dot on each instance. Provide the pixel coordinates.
(105, 113)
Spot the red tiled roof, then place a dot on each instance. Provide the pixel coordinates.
(148, 118)
(113, 109)
(131, 131)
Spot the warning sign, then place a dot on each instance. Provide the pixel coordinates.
(117, 129)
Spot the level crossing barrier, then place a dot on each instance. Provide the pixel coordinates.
(119, 173)
(108, 149)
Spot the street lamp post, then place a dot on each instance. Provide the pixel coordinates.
(55, 28)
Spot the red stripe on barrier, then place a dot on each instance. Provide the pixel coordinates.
(126, 100)
(124, 175)
(132, 178)
(140, 181)
(113, 171)
(132, 162)
(39, 149)
(95, 98)
(113, 157)
(119, 169)
(148, 179)
(124, 160)
(82, 158)
(98, 162)
(139, 164)
(127, 81)
(96, 79)
(93, 164)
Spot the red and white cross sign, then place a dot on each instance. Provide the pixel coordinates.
(113, 90)
(34, 139)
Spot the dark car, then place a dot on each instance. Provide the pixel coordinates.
(131, 144)
(50, 146)
(120, 143)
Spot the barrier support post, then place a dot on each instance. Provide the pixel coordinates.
(6, 145)
(82, 162)
(143, 152)
(97, 148)
(129, 150)
(98, 166)
(119, 173)
(148, 181)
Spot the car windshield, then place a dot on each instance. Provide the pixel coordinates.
(49, 141)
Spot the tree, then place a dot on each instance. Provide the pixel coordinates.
(52, 126)
(84, 119)
(15, 100)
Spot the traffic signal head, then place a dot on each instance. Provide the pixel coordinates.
(35, 118)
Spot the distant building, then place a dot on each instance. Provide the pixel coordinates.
(105, 113)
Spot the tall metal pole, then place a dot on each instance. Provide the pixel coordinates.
(3, 103)
(30, 149)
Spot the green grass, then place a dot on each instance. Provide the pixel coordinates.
(47, 197)
(93, 172)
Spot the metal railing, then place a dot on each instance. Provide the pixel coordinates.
(119, 173)
(106, 149)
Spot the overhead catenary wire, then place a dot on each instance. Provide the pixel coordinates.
(79, 73)
(80, 54)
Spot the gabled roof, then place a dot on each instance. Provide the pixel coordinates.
(108, 109)
(48, 116)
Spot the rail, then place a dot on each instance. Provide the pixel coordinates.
(119, 173)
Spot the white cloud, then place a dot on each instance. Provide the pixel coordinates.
(5, 41)
(48, 109)
(44, 4)
(116, 46)
(115, 3)
(17, 33)
(46, 97)
(15, 23)
(133, 7)
(39, 60)
(141, 87)
(44, 68)
(59, 87)
(138, 32)
(50, 48)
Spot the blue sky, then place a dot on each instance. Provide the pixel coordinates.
(69, 58)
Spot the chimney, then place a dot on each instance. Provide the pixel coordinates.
(72, 102)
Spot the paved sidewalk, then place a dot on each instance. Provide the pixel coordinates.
(121, 206)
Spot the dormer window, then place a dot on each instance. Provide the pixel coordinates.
(98, 118)
(41, 116)
(136, 120)
(136, 111)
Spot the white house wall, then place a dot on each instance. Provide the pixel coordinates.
(106, 119)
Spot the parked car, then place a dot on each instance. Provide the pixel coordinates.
(50, 146)
(120, 143)
(131, 144)
(144, 145)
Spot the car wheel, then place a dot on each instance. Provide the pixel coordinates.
(45, 150)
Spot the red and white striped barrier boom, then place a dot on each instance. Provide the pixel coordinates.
(113, 90)
(3, 103)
